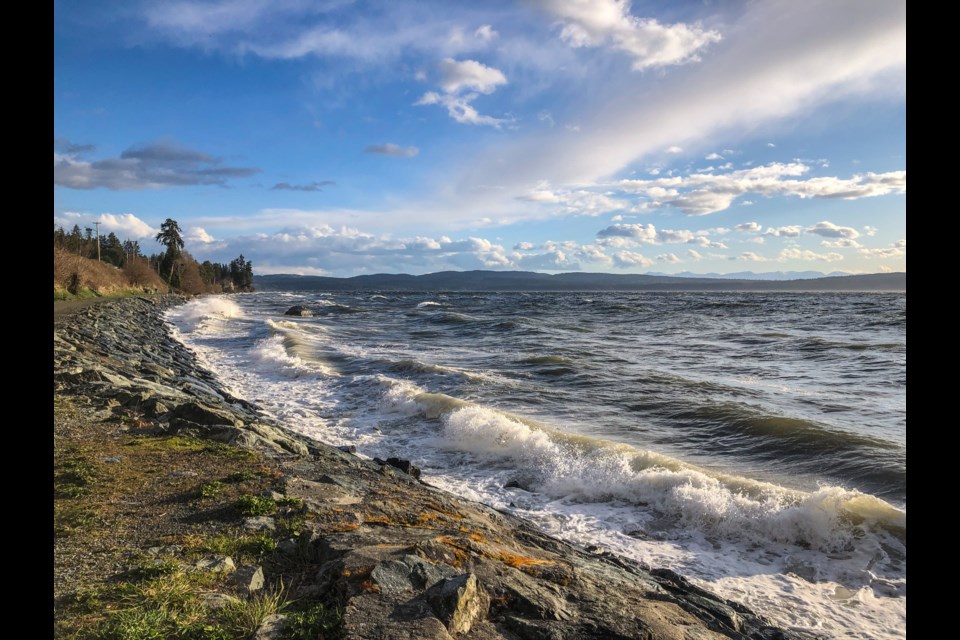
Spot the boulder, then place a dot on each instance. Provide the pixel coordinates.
(458, 602)
(298, 310)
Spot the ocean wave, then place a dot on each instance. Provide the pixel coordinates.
(197, 314)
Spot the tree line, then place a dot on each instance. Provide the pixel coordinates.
(175, 266)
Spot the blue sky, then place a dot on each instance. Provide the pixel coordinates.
(341, 138)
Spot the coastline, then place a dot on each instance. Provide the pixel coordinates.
(396, 557)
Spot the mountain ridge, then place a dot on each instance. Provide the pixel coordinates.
(483, 280)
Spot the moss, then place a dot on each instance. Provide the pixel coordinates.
(250, 505)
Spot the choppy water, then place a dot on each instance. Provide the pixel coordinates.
(754, 442)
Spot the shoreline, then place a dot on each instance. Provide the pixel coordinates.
(396, 557)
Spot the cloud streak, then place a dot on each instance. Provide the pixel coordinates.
(155, 165)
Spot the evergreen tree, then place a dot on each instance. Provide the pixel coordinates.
(170, 237)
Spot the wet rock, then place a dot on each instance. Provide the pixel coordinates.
(403, 465)
(298, 310)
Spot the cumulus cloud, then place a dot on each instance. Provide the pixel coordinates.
(575, 202)
(462, 82)
(693, 254)
(842, 243)
(749, 227)
(704, 193)
(670, 258)
(881, 252)
(713, 156)
(66, 147)
(311, 186)
(596, 23)
(751, 256)
(630, 259)
(390, 149)
(830, 230)
(198, 234)
(870, 231)
(125, 225)
(789, 231)
(485, 33)
(154, 165)
(793, 253)
(626, 234)
(523, 246)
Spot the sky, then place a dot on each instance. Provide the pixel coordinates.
(344, 138)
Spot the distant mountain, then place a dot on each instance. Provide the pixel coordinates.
(750, 275)
(532, 281)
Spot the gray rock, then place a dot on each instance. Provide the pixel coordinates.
(215, 600)
(272, 627)
(458, 602)
(260, 523)
(216, 564)
(248, 578)
(202, 414)
(298, 310)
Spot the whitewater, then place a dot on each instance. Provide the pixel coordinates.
(753, 442)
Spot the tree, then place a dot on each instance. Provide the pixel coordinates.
(170, 237)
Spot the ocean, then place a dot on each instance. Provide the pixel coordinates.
(753, 442)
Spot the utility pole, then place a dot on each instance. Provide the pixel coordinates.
(98, 239)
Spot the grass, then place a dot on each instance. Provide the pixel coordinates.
(166, 490)
(250, 505)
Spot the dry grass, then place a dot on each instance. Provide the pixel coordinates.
(78, 277)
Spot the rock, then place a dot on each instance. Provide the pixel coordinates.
(215, 564)
(271, 628)
(248, 578)
(260, 523)
(458, 602)
(289, 547)
(348, 448)
(203, 415)
(403, 465)
(215, 600)
(112, 460)
(298, 310)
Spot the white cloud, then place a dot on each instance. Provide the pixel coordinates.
(900, 244)
(579, 202)
(625, 234)
(523, 246)
(704, 193)
(870, 231)
(790, 231)
(198, 234)
(462, 82)
(674, 149)
(693, 255)
(746, 203)
(842, 243)
(670, 258)
(793, 253)
(126, 226)
(617, 218)
(485, 33)
(713, 156)
(749, 227)
(390, 149)
(630, 259)
(830, 230)
(881, 252)
(750, 256)
(595, 23)
(469, 75)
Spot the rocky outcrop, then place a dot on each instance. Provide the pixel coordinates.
(298, 310)
(399, 558)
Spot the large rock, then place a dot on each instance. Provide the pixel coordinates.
(298, 310)
(458, 602)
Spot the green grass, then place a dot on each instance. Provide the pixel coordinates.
(250, 505)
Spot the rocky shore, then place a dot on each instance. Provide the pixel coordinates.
(369, 540)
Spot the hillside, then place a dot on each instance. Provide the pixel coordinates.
(531, 281)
